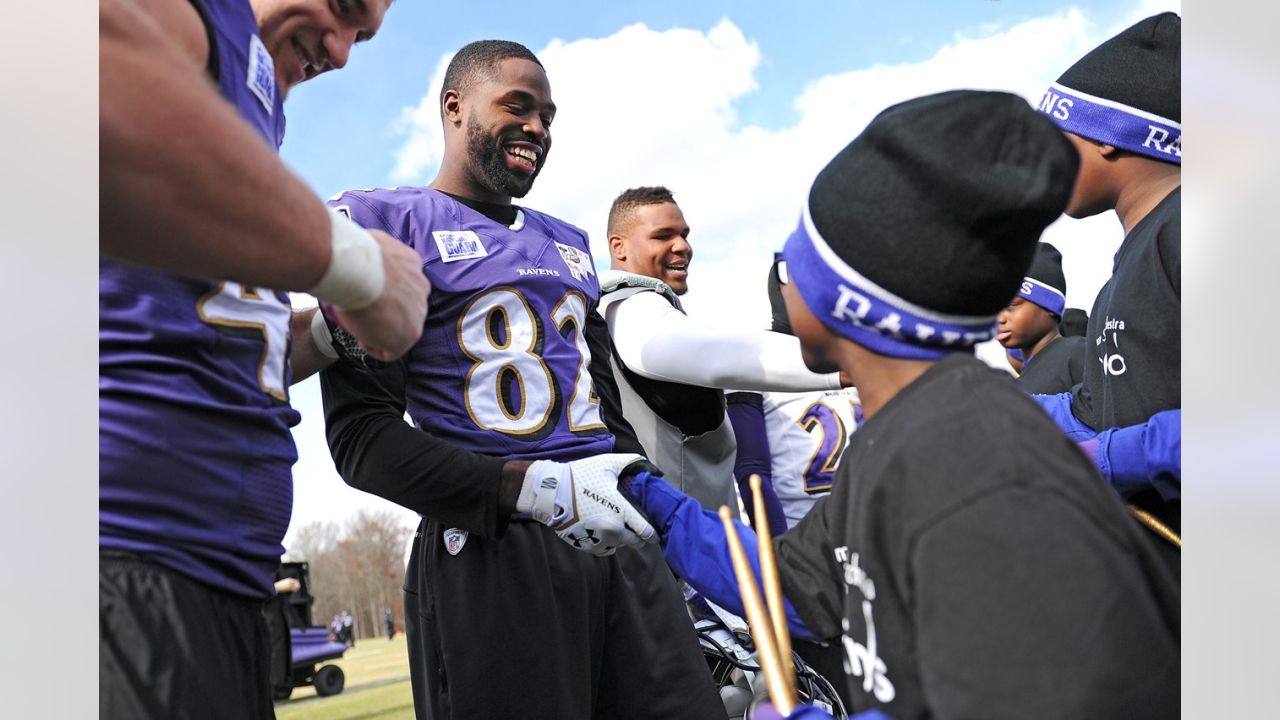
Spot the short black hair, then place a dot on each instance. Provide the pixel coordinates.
(632, 198)
(478, 61)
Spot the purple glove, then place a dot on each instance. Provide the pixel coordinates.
(1090, 449)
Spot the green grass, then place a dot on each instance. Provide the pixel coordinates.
(377, 686)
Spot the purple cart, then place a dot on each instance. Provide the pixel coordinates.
(311, 646)
(297, 638)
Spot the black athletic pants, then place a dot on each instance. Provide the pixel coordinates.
(530, 627)
(170, 648)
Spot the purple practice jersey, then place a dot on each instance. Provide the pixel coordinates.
(502, 366)
(193, 375)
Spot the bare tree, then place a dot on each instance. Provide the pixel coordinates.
(358, 568)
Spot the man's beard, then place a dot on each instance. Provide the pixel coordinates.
(489, 162)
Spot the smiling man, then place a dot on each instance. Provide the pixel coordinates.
(310, 37)
(672, 370)
(516, 603)
(203, 229)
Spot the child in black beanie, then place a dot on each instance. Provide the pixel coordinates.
(1121, 107)
(970, 562)
(1030, 325)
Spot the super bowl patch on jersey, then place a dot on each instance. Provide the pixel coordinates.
(458, 245)
(262, 74)
(454, 539)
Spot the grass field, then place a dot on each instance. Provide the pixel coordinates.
(377, 687)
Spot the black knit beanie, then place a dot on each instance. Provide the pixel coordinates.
(1127, 91)
(920, 230)
(1045, 285)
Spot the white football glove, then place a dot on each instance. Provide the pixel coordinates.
(581, 502)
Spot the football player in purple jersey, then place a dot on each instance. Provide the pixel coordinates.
(188, 186)
(198, 218)
(516, 439)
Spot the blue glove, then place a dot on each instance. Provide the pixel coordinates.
(1058, 408)
(1131, 458)
(1144, 456)
(694, 544)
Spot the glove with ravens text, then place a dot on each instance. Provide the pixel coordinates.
(581, 502)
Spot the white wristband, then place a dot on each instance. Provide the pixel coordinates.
(543, 482)
(355, 277)
(321, 335)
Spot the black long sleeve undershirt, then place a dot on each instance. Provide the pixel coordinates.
(376, 451)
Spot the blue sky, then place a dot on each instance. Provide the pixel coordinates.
(341, 130)
(734, 106)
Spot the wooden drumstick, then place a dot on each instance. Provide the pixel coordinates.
(757, 619)
(772, 585)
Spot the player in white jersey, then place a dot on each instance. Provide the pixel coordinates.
(807, 434)
(676, 405)
(793, 440)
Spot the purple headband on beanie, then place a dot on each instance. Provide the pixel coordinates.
(1113, 123)
(856, 308)
(1041, 294)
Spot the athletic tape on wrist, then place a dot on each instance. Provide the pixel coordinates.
(355, 277)
(322, 336)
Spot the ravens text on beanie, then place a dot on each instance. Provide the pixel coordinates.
(919, 231)
(1126, 92)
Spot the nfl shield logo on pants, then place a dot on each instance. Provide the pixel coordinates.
(454, 539)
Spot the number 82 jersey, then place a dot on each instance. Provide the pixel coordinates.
(502, 366)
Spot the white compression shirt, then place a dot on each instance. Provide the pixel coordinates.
(657, 341)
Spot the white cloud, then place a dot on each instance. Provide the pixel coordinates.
(424, 147)
(643, 107)
(648, 107)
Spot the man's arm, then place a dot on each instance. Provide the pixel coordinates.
(746, 413)
(659, 342)
(188, 187)
(376, 451)
(695, 546)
